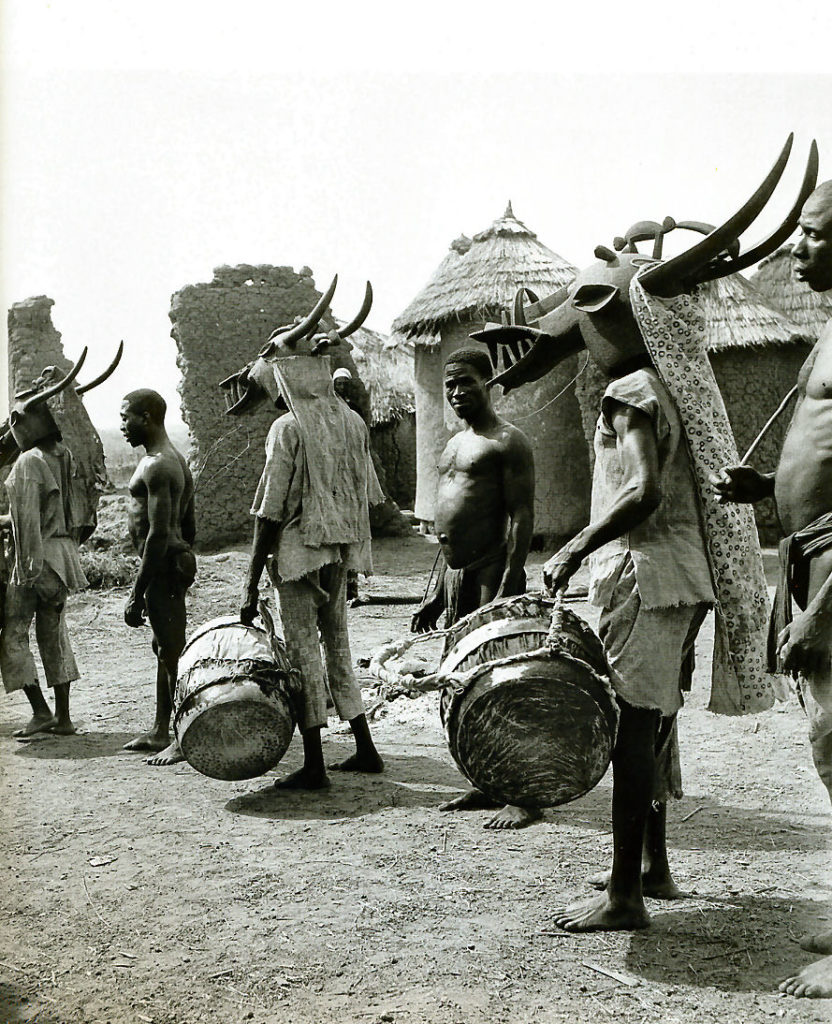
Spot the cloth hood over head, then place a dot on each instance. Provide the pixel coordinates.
(339, 482)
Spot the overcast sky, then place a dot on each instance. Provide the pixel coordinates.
(144, 148)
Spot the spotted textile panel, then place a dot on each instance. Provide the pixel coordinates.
(674, 332)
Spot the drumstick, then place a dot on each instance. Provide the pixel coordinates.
(769, 423)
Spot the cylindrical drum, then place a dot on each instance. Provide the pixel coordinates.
(234, 702)
(528, 710)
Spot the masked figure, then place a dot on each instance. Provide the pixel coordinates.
(45, 529)
(312, 525)
(662, 548)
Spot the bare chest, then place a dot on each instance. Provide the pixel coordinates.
(815, 378)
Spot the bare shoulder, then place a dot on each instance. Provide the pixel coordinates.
(514, 441)
(163, 469)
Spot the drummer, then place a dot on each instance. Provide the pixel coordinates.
(651, 578)
(483, 517)
(311, 527)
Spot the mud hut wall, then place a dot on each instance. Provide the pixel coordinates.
(395, 444)
(753, 382)
(34, 344)
(431, 433)
(218, 327)
(553, 426)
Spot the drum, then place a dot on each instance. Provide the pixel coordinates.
(528, 710)
(234, 701)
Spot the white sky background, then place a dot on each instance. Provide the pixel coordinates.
(143, 148)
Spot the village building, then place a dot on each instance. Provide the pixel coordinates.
(476, 282)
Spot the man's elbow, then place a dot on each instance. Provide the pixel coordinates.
(647, 498)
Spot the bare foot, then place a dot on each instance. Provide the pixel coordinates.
(819, 943)
(657, 888)
(600, 914)
(36, 724)
(514, 817)
(65, 728)
(473, 800)
(304, 778)
(371, 763)
(170, 755)
(813, 982)
(149, 741)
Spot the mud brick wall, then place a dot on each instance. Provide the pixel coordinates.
(395, 443)
(34, 344)
(218, 327)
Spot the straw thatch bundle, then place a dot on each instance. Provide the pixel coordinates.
(737, 315)
(775, 281)
(387, 372)
(478, 277)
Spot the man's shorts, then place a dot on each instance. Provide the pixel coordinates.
(647, 647)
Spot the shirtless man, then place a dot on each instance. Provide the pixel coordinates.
(802, 489)
(483, 519)
(161, 520)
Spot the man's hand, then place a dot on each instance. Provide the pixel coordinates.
(248, 608)
(134, 611)
(560, 569)
(426, 616)
(804, 645)
(742, 484)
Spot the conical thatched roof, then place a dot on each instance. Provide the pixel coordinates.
(775, 280)
(738, 316)
(481, 275)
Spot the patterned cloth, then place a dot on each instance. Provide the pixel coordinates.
(673, 331)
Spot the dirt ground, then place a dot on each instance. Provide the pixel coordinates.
(138, 894)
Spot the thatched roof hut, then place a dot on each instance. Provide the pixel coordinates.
(475, 282)
(774, 279)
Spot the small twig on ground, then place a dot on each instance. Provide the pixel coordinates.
(725, 952)
(86, 890)
(696, 810)
(615, 975)
(12, 967)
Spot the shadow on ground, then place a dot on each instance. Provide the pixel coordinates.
(743, 944)
(82, 746)
(407, 781)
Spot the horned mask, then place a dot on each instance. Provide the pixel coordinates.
(594, 312)
(30, 420)
(292, 350)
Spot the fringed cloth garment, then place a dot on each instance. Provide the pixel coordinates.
(673, 331)
(474, 585)
(318, 483)
(46, 568)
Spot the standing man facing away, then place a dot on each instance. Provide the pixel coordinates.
(46, 566)
(483, 519)
(311, 527)
(802, 489)
(162, 526)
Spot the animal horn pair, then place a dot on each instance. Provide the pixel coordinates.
(84, 388)
(54, 389)
(702, 262)
(291, 335)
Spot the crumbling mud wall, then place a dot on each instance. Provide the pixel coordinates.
(395, 444)
(218, 327)
(34, 344)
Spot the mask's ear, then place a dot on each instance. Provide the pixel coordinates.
(592, 298)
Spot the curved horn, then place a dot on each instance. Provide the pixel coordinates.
(56, 388)
(671, 278)
(361, 316)
(293, 334)
(521, 295)
(84, 388)
(778, 236)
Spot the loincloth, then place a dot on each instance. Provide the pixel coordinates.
(463, 586)
(795, 555)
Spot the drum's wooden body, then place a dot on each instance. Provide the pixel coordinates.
(528, 711)
(233, 707)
